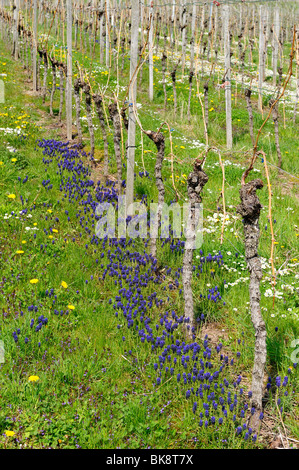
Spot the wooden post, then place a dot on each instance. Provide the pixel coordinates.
(69, 71)
(297, 78)
(102, 19)
(107, 35)
(261, 55)
(275, 44)
(193, 21)
(150, 55)
(184, 27)
(16, 32)
(227, 66)
(132, 102)
(210, 28)
(173, 20)
(34, 46)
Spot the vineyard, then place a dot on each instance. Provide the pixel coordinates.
(149, 170)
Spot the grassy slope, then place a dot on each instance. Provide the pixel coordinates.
(91, 390)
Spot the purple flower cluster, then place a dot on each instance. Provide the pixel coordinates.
(201, 372)
(196, 366)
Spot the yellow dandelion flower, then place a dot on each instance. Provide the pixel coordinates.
(49, 210)
(24, 241)
(1, 163)
(33, 378)
(9, 433)
(71, 307)
(13, 160)
(19, 252)
(54, 230)
(11, 196)
(33, 281)
(64, 284)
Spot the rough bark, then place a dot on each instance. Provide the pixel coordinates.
(99, 109)
(249, 209)
(195, 183)
(159, 140)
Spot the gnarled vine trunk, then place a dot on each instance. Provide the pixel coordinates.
(115, 117)
(86, 91)
(54, 64)
(98, 101)
(195, 183)
(249, 209)
(159, 140)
